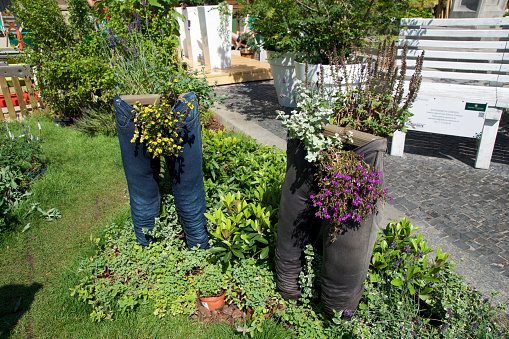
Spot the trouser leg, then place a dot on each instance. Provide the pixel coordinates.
(186, 174)
(141, 172)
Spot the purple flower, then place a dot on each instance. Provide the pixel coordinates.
(348, 313)
(112, 41)
(284, 80)
(123, 17)
(475, 326)
(407, 249)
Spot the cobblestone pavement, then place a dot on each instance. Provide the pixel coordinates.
(434, 184)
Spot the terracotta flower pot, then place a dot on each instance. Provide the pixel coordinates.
(212, 303)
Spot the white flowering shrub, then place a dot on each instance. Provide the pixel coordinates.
(307, 123)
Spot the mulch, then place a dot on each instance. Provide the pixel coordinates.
(213, 125)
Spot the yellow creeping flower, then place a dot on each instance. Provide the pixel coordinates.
(158, 127)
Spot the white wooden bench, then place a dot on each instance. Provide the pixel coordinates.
(465, 75)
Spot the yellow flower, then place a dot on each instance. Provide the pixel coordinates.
(175, 80)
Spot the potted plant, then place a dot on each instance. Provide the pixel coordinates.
(211, 285)
(333, 180)
(270, 19)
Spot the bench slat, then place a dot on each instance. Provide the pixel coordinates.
(455, 22)
(462, 76)
(454, 33)
(456, 55)
(464, 66)
(419, 43)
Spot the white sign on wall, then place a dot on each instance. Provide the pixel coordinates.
(447, 116)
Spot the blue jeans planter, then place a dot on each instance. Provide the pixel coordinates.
(142, 174)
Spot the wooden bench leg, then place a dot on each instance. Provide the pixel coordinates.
(398, 143)
(488, 137)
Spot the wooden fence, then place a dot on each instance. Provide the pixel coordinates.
(18, 91)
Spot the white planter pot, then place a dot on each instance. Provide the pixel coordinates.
(328, 81)
(216, 42)
(193, 34)
(283, 72)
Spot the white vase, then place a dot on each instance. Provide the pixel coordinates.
(283, 72)
(216, 43)
(183, 37)
(193, 34)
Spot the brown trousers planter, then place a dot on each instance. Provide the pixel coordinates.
(346, 260)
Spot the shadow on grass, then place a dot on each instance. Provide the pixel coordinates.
(15, 301)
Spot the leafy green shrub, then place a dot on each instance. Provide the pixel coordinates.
(72, 69)
(235, 163)
(242, 229)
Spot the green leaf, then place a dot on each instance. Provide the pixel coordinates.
(397, 282)
(264, 254)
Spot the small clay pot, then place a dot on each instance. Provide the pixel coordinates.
(212, 303)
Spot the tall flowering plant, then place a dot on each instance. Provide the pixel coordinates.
(348, 188)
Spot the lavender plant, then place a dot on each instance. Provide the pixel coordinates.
(375, 100)
(348, 189)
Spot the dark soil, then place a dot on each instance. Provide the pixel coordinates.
(213, 125)
(229, 314)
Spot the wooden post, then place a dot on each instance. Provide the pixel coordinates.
(31, 94)
(19, 94)
(7, 95)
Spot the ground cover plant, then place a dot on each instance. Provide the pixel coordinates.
(411, 289)
(21, 163)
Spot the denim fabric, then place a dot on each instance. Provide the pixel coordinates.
(142, 174)
(346, 260)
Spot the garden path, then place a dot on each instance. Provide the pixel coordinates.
(459, 208)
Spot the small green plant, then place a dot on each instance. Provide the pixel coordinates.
(211, 282)
(242, 229)
(21, 163)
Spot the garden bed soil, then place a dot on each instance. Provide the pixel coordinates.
(213, 125)
(228, 314)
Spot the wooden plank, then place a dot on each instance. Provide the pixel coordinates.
(145, 99)
(358, 138)
(19, 95)
(242, 70)
(420, 43)
(19, 71)
(463, 66)
(462, 76)
(454, 33)
(454, 90)
(455, 22)
(7, 96)
(481, 55)
(31, 95)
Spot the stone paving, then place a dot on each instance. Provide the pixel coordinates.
(434, 184)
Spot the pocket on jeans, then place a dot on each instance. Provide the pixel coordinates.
(123, 115)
